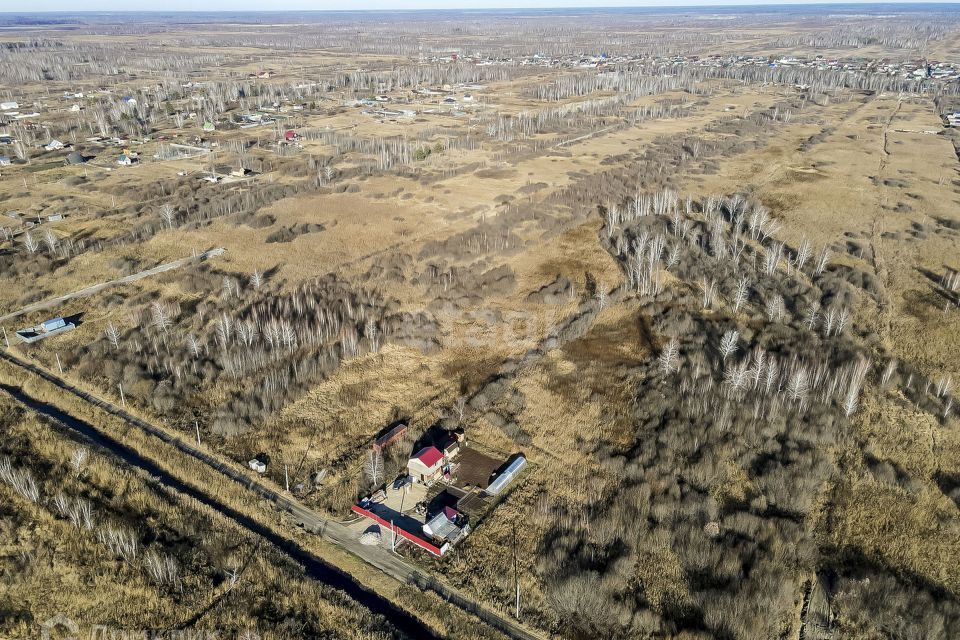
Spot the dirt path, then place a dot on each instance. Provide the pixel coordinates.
(585, 137)
(876, 239)
(885, 150)
(96, 288)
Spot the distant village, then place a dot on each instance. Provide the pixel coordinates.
(934, 69)
(449, 99)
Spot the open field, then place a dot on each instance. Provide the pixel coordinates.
(697, 270)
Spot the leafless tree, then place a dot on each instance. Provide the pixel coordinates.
(772, 258)
(113, 334)
(194, 345)
(167, 214)
(78, 460)
(674, 256)
(857, 376)
(799, 384)
(601, 296)
(728, 344)
(79, 512)
(21, 480)
(843, 318)
(162, 569)
(373, 467)
(233, 575)
(775, 308)
(30, 242)
(757, 370)
(803, 254)
(735, 375)
(370, 330)
(21, 150)
(230, 287)
(61, 503)
(741, 294)
(122, 543)
(669, 355)
(709, 290)
(888, 372)
(288, 335)
(161, 315)
(822, 261)
(812, 315)
(944, 386)
(51, 240)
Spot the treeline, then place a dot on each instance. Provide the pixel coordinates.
(703, 520)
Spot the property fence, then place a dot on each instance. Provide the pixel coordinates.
(420, 542)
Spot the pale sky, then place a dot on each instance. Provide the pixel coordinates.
(334, 5)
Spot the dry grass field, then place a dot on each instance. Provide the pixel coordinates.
(699, 268)
(188, 569)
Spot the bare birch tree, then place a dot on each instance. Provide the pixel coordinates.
(373, 467)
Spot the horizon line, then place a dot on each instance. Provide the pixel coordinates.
(682, 5)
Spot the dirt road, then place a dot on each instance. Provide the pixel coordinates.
(388, 562)
(92, 289)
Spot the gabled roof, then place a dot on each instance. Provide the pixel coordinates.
(391, 435)
(429, 456)
(442, 527)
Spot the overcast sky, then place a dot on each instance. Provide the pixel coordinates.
(277, 5)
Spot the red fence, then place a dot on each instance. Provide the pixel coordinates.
(420, 542)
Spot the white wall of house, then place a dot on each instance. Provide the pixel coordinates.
(420, 471)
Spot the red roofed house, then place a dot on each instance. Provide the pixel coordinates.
(426, 465)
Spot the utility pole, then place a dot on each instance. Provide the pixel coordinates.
(197, 425)
(518, 600)
(393, 542)
(403, 496)
(286, 478)
(516, 569)
(5, 337)
(59, 366)
(122, 399)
